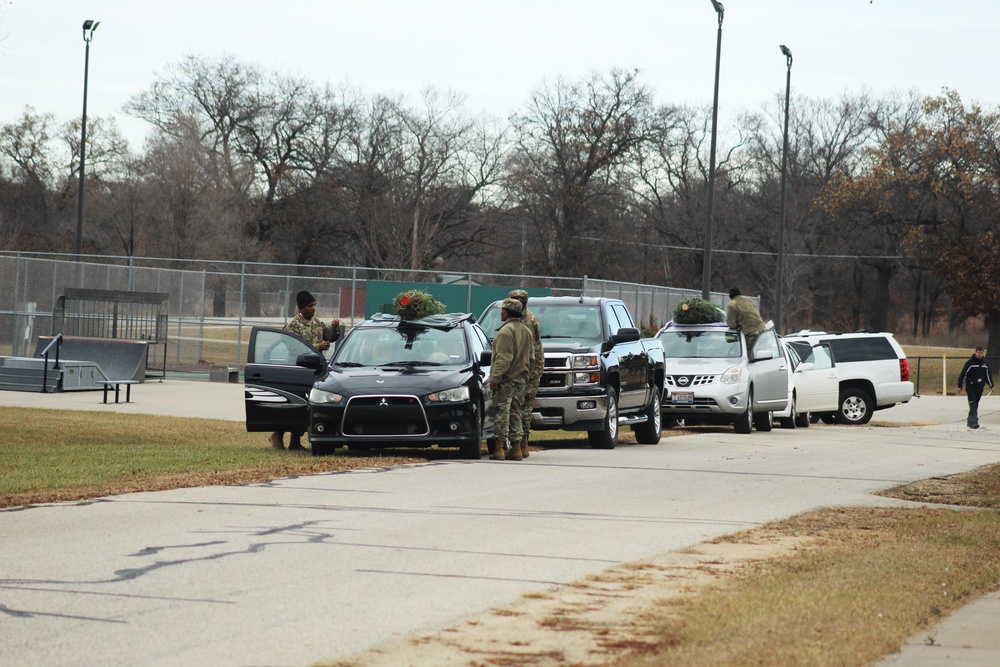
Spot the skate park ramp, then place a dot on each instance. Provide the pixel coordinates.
(122, 360)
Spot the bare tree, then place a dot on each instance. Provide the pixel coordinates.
(572, 144)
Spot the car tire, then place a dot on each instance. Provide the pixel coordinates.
(803, 420)
(792, 420)
(491, 445)
(744, 422)
(650, 431)
(607, 437)
(828, 418)
(856, 407)
(473, 447)
(763, 421)
(320, 450)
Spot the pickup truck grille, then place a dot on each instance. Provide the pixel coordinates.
(552, 380)
(557, 361)
(689, 380)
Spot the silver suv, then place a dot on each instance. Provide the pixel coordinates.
(873, 371)
(711, 377)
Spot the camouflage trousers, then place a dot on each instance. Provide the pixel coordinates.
(507, 410)
(530, 391)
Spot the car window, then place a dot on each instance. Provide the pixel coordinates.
(868, 348)
(678, 343)
(377, 346)
(821, 357)
(767, 340)
(278, 348)
(624, 320)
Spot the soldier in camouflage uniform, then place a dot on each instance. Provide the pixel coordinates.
(508, 377)
(537, 364)
(316, 333)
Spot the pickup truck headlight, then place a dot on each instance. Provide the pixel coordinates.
(450, 395)
(584, 361)
(732, 376)
(593, 377)
(321, 397)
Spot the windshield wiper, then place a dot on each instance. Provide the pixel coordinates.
(352, 364)
(559, 336)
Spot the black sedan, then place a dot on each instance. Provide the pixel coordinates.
(390, 383)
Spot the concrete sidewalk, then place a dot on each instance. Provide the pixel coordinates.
(967, 638)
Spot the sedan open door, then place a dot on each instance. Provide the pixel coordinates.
(277, 386)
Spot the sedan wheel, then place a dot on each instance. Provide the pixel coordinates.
(744, 423)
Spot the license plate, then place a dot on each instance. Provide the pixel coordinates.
(686, 397)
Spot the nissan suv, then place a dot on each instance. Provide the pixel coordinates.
(872, 368)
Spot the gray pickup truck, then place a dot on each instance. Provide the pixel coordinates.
(599, 373)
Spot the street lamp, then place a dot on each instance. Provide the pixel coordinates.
(88, 34)
(781, 214)
(706, 274)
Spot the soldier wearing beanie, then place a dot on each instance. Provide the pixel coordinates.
(537, 364)
(508, 377)
(316, 333)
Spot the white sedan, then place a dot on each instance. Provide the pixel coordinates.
(813, 385)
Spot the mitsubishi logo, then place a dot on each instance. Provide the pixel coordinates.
(384, 403)
(683, 380)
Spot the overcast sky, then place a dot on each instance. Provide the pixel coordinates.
(497, 53)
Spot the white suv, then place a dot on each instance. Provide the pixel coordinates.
(872, 368)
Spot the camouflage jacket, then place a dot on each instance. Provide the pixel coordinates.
(511, 352)
(312, 331)
(538, 352)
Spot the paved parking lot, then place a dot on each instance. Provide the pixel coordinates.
(304, 569)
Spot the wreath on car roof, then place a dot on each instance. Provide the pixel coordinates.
(414, 304)
(695, 310)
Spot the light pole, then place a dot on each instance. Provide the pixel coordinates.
(781, 214)
(88, 34)
(706, 274)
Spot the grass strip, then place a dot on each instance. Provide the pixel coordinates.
(873, 578)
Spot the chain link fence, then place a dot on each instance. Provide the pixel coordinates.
(213, 305)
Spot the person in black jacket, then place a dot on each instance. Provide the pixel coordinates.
(975, 374)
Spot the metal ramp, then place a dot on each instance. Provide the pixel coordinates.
(118, 359)
(31, 374)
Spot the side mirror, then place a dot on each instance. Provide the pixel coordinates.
(805, 366)
(762, 355)
(626, 335)
(311, 360)
(486, 358)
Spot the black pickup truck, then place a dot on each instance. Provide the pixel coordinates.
(599, 373)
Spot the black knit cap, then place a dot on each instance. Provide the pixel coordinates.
(303, 299)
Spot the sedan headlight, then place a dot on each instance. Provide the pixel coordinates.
(732, 376)
(450, 395)
(584, 361)
(322, 397)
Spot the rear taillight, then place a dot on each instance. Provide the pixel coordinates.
(904, 370)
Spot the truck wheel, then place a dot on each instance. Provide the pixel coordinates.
(744, 423)
(803, 420)
(607, 437)
(855, 407)
(792, 420)
(650, 431)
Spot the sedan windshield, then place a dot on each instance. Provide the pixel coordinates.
(701, 344)
(403, 346)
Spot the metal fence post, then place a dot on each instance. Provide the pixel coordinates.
(239, 323)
